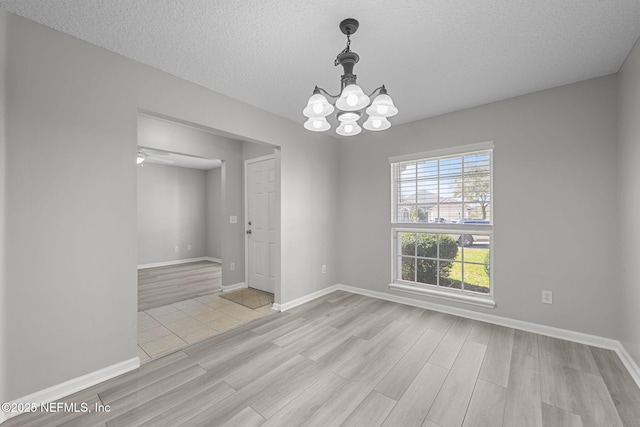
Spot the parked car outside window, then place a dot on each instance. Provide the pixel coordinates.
(470, 239)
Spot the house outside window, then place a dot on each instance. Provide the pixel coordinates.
(442, 223)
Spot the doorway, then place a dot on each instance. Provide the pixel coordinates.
(167, 328)
(260, 199)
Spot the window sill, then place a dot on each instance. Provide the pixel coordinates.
(486, 302)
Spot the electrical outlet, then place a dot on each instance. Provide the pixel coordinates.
(177, 249)
(547, 297)
(233, 219)
(324, 268)
(232, 266)
(188, 247)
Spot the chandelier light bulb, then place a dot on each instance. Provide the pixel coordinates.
(318, 106)
(382, 106)
(352, 99)
(317, 124)
(376, 123)
(348, 129)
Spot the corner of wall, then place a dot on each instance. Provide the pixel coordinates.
(628, 200)
(214, 213)
(3, 41)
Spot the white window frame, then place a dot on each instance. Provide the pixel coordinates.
(451, 294)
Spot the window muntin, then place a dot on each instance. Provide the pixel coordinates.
(442, 222)
(441, 190)
(438, 259)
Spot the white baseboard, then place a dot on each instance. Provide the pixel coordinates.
(629, 363)
(579, 337)
(178, 261)
(310, 297)
(233, 287)
(550, 331)
(72, 386)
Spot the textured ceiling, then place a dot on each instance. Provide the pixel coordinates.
(434, 56)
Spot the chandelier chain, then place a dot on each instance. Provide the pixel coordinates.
(345, 50)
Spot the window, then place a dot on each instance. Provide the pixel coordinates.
(442, 224)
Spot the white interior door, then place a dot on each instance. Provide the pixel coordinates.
(260, 227)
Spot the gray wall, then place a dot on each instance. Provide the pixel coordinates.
(172, 211)
(251, 150)
(628, 290)
(70, 277)
(554, 202)
(214, 213)
(70, 206)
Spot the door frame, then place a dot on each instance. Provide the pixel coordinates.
(246, 214)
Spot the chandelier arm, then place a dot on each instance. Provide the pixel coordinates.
(374, 91)
(327, 93)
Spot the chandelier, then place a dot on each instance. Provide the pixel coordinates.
(351, 100)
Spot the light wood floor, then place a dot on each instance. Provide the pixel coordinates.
(159, 286)
(351, 360)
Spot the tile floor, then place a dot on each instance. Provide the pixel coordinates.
(165, 329)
